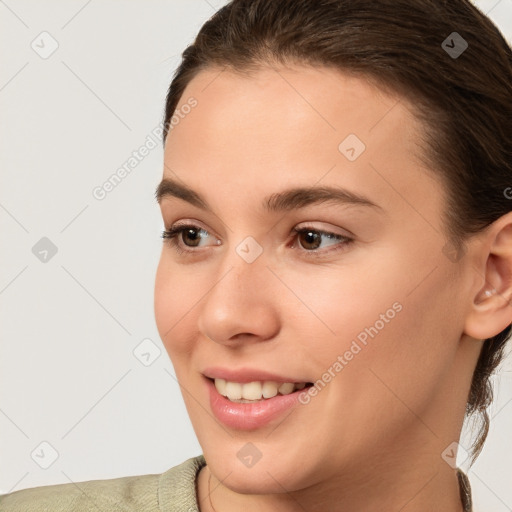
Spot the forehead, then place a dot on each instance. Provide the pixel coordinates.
(286, 111)
(322, 89)
(297, 124)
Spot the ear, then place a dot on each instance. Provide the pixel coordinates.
(491, 309)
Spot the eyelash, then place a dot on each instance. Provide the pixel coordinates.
(171, 236)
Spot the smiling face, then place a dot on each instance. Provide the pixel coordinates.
(250, 293)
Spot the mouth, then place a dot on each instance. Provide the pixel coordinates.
(255, 391)
(253, 404)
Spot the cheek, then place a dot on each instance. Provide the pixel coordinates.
(176, 292)
(405, 365)
(388, 334)
(334, 307)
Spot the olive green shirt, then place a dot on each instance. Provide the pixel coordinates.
(171, 491)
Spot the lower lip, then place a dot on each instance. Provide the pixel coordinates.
(250, 416)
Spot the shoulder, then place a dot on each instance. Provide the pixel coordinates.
(145, 493)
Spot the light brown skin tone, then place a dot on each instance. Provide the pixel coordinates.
(372, 439)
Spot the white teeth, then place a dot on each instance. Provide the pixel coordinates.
(269, 389)
(286, 388)
(251, 391)
(220, 384)
(233, 390)
(254, 391)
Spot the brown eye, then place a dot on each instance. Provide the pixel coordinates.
(186, 236)
(315, 242)
(310, 239)
(193, 235)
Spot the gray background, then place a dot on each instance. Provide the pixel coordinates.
(71, 370)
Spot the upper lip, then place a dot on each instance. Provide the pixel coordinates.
(246, 375)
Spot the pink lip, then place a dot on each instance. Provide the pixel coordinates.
(246, 375)
(249, 416)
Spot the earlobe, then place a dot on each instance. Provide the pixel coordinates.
(491, 309)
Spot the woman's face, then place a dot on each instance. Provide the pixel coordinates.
(365, 300)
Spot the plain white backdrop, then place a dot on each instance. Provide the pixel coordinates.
(87, 390)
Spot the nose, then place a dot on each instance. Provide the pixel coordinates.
(241, 305)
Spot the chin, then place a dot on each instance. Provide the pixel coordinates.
(270, 474)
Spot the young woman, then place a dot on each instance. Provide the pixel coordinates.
(335, 282)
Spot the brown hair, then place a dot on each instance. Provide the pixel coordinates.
(464, 101)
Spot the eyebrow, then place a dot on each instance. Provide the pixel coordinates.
(289, 199)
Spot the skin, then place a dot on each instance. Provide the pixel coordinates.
(372, 439)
